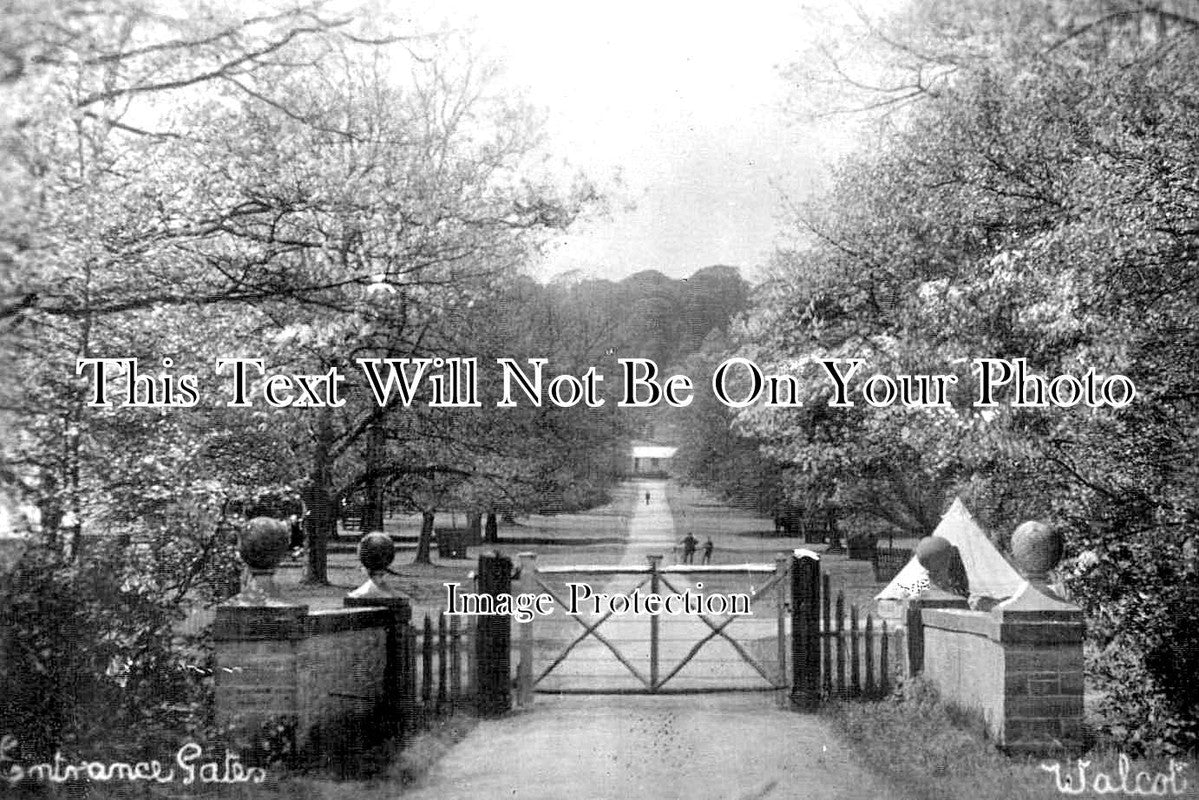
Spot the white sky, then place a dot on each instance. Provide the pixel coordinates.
(682, 101)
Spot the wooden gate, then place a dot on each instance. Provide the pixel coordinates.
(598, 648)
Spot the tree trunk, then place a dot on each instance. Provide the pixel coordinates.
(424, 543)
(50, 507)
(321, 518)
(834, 537)
(372, 507)
(76, 528)
(319, 497)
(491, 531)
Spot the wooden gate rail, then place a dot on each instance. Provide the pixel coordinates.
(531, 581)
(719, 631)
(634, 569)
(832, 651)
(589, 630)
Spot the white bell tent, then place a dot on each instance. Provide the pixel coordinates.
(988, 572)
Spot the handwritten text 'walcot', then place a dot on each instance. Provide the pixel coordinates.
(454, 383)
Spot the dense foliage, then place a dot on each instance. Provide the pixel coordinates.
(1034, 196)
(307, 186)
(90, 660)
(302, 185)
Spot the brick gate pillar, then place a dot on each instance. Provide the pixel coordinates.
(1020, 664)
(256, 635)
(376, 551)
(1042, 637)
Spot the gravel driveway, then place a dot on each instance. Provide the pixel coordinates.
(696, 746)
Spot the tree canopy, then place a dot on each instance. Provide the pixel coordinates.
(302, 185)
(1032, 194)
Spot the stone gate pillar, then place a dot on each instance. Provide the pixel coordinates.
(1042, 637)
(1020, 664)
(256, 635)
(376, 551)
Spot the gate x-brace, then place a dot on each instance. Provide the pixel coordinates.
(532, 580)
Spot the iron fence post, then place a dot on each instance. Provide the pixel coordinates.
(524, 670)
(492, 640)
(805, 630)
(781, 563)
(654, 588)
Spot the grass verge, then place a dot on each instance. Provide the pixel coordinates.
(928, 750)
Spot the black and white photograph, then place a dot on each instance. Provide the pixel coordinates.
(442, 400)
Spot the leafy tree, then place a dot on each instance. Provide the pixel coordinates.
(1031, 199)
(712, 452)
(515, 459)
(286, 187)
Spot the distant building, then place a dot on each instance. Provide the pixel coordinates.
(653, 459)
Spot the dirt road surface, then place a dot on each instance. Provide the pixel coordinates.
(703, 746)
(700, 747)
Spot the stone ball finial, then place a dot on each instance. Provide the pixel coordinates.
(264, 543)
(1036, 548)
(376, 551)
(944, 565)
(932, 552)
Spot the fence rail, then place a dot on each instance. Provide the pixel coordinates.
(645, 569)
(868, 651)
(860, 656)
(437, 668)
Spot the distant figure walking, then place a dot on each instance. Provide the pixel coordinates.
(689, 543)
(647, 498)
(708, 551)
